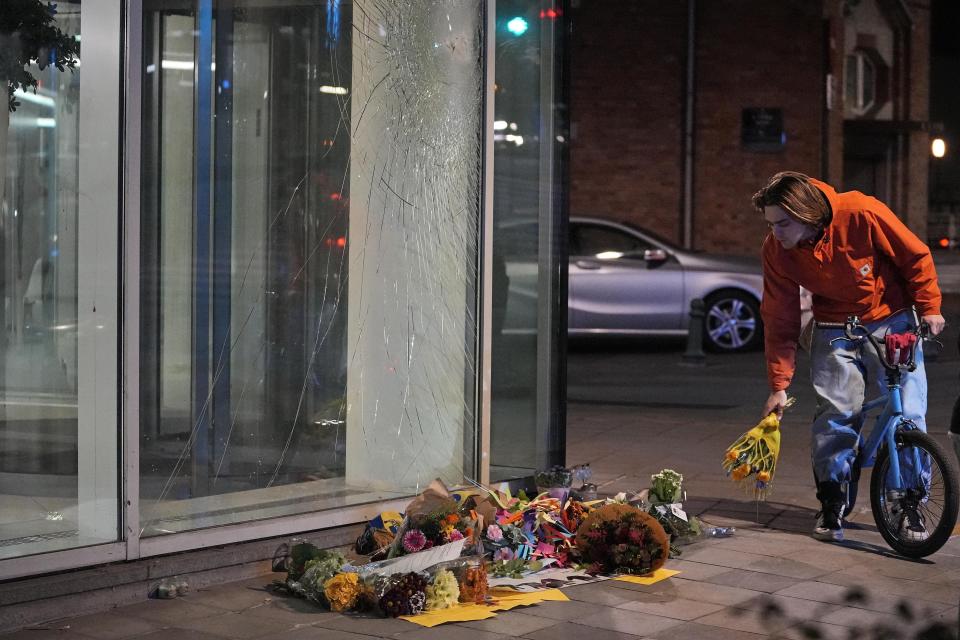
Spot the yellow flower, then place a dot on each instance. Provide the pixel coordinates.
(342, 591)
(741, 472)
(443, 592)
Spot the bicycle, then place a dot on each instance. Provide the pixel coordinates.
(898, 484)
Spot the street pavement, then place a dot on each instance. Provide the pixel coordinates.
(635, 409)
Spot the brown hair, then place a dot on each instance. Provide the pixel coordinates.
(797, 196)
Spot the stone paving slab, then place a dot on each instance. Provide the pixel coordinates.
(632, 622)
(111, 626)
(574, 631)
(513, 623)
(764, 582)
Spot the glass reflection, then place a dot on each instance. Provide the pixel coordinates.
(526, 395)
(287, 146)
(51, 496)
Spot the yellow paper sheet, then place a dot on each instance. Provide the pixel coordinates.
(508, 598)
(656, 576)
(458, 613)
(504, 600)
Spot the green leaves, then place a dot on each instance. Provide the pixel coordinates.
(29, 35)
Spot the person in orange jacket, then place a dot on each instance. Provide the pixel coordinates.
(856, 258)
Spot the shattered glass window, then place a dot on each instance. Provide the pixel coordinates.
(311, 193)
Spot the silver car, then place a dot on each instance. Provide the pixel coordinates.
(627, 281)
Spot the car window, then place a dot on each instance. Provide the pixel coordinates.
(596, 240)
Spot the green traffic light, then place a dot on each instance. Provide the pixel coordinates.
(517, 26)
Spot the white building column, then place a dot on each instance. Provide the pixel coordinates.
(97, 277)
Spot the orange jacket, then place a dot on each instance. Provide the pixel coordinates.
(866, 263)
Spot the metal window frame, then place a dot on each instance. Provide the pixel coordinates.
(485, 352)
(862, 65)
(553, 244)
(130, 292)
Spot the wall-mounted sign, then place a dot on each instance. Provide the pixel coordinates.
(761, 129)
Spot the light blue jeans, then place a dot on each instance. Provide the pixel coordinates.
(842, 374)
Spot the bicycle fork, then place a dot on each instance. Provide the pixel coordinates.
(895, 477)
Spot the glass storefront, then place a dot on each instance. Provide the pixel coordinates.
(529, 241)
(241, 270)
(59, 204)
(309, 254)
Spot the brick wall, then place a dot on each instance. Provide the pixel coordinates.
(628, 71)
(752, 53)
(628, 65)
(918, 157)
(627, 74)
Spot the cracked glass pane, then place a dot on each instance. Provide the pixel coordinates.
(311, 189)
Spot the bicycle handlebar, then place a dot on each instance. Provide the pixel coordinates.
(854, 330)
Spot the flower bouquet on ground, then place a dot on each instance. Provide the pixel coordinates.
(664, 500)
(434, 518)
(756, 453)
(619, 538)
(442, 586)
(555, 482)
(308, 570)
(379, 534)
(539, 530)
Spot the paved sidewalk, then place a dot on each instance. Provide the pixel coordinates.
(722, 589)
(633, 411)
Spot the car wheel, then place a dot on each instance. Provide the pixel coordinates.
(731, 322)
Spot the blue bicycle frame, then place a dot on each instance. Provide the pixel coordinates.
(885, 431)
(886, 426)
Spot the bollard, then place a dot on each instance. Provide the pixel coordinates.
(694, 355)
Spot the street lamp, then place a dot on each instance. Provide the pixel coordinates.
(938, 148)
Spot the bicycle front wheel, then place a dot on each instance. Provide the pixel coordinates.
(936, 501)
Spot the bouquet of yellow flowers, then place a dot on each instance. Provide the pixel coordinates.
(756, 453)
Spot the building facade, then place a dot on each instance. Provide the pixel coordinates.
(681, 111)
(250, 285)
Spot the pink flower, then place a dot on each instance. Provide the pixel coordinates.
(504, 553)
(455, 535)
(414, 541)
(494, 533)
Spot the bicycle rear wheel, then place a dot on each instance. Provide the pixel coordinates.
(938, 503)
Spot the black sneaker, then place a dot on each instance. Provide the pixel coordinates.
(912, 527)
(829, 525)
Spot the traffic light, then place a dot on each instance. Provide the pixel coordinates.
(517, 26)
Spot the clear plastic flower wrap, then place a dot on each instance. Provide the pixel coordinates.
(470, 573)
(316, 571)
(406, 596)
(342, 591)
(373, 586)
